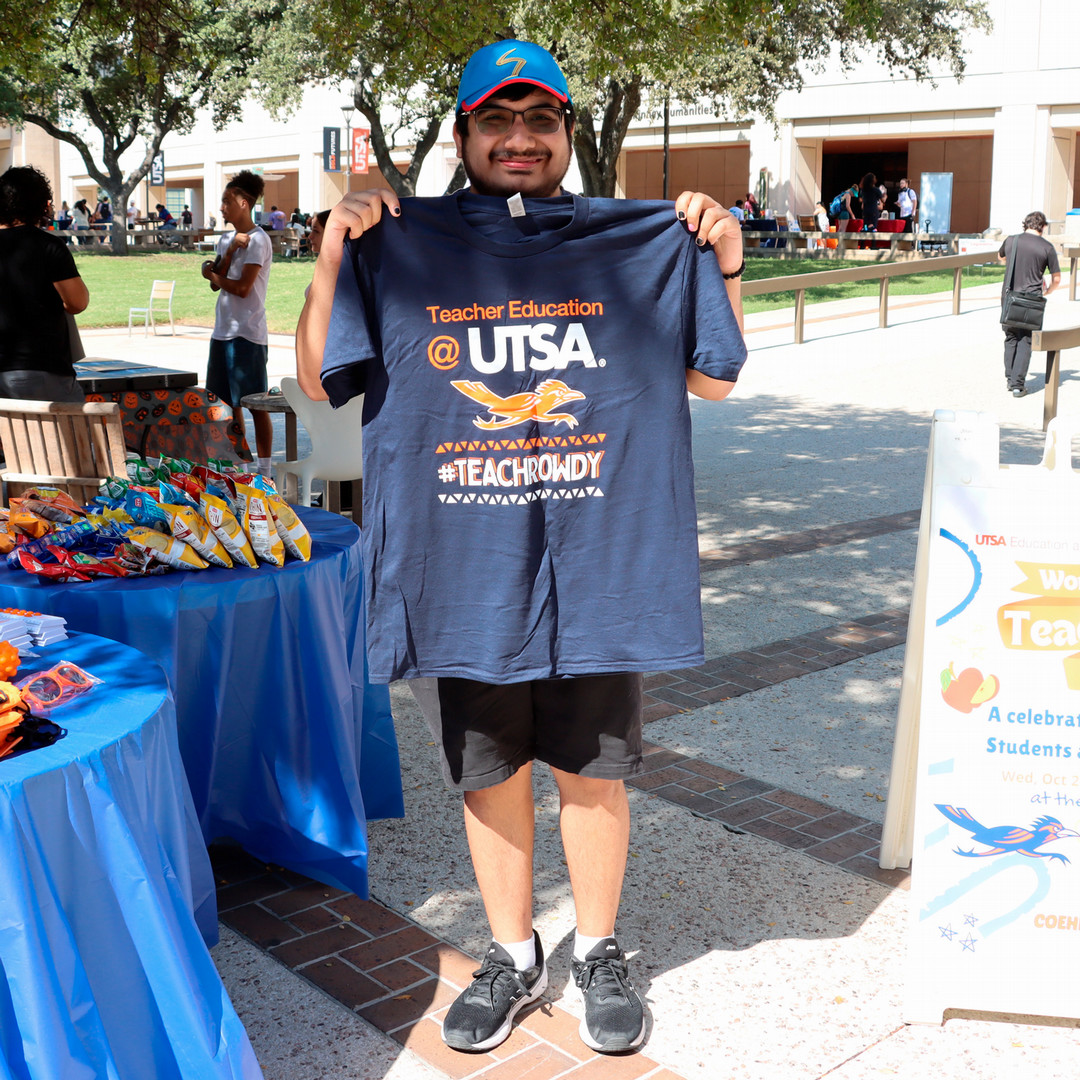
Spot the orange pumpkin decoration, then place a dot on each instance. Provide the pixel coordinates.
(9, 661)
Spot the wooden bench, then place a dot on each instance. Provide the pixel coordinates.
(1053, 343)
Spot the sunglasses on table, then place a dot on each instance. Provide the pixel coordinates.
(498, 120)
(56, 686)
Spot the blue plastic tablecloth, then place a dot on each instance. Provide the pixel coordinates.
(104, 973)
(287, 747)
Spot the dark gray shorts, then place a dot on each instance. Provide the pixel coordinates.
(236, 368)
(590, 725)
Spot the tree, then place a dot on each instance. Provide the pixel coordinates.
(106, 78)
(406, 56)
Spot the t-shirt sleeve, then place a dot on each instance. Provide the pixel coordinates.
(349, 345)
(714, 343)
(1052, 260)
(260, 251)
(61, 263)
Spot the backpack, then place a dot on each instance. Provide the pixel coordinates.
(837, 204)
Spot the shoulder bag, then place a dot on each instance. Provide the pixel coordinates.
(1021, 310)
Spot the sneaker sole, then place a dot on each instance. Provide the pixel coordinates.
(612, 1046)
(502, 1033)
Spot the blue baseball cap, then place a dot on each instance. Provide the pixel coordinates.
(506, 62)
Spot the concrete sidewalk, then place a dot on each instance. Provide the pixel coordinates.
(766, 944)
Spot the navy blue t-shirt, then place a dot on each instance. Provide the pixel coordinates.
(528, 480)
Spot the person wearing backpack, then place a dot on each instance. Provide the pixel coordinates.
(840, 207)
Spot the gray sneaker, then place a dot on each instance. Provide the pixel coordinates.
(614, 1014)
(484, 1012)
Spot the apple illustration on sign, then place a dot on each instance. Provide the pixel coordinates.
(967, 690)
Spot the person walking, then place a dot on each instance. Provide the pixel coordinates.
(40, 287)
(1032, 256)
(240, 274)
(530, 531)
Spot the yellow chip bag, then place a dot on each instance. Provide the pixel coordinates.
(187, 525)
(290, 528)
(167, 549)
(259, 525)
(227, 529)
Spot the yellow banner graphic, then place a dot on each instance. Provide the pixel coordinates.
(1049, 579)
(1040, 624)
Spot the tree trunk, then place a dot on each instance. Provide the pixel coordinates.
(598, 157)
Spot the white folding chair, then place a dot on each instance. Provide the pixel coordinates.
(335, 443)
(161, 294)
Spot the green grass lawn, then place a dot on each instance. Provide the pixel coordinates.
(117, 284)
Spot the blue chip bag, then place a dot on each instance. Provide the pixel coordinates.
(145, 512)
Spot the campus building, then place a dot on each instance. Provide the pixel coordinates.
(1005, 136)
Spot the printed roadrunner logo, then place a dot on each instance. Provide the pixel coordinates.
(521, 408)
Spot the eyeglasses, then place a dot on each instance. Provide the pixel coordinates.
(498, 120)
(56, 686)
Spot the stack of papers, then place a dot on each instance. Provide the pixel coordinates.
(13, 629)
(26, 628)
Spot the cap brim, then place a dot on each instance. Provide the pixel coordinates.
(468, 106)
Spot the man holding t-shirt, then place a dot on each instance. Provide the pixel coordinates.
(530, 531)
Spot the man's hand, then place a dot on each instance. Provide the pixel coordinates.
(240, 240)
(208, 268)
(713, 225)
(355, 214)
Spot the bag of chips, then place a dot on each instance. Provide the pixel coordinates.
(144, 511)
(139, 472)
(28, 523)
(228, 529)
(189, 526)
(49, 571)
(167, 549)
(51, 504)
(207, 476)
(175, 465)
(261, 530)
(290, 528)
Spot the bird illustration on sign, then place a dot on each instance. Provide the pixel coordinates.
(1006, 839)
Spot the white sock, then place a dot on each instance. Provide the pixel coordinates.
(264, 466)
(523, 953)
(584, 945)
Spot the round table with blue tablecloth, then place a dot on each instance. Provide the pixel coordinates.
(106, 893)
(288, 749)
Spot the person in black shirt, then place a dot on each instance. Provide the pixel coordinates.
(1033, 257)
(39, 288)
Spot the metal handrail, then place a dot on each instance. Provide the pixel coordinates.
(799, 283)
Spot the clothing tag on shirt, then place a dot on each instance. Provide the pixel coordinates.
(516, 205)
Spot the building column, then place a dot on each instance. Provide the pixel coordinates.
(1019, 176)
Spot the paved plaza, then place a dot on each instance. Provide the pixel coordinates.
(762, 933)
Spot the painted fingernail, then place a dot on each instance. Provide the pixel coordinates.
(700, 241)
(681, 216)
(397, 210)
